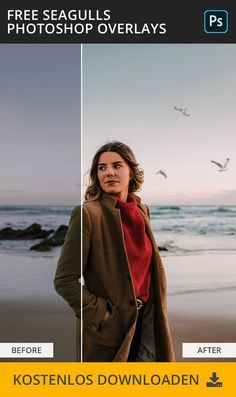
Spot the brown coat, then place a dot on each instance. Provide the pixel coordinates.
(107, 278)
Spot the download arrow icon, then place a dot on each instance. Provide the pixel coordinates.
(214, 378)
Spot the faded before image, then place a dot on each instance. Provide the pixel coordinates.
(40, 179)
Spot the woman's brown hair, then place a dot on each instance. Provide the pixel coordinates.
(93, 190)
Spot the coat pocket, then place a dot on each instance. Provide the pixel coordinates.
(109, 332)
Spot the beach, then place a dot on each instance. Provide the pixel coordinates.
(201, 299)
(31, 310)
(201, 302)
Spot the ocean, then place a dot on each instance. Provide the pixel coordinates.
(182, 230)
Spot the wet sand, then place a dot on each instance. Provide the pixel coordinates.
(201, 302)
(30, 308)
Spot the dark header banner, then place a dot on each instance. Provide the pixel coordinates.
(118, 22)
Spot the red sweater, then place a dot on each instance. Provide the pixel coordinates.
(138, 246)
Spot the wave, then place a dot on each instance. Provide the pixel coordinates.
(172, 208)
(197, 211)
(200, 290)
(163, 210)
(224, 209)
(170, 248)
(36, 210)
(227, 211)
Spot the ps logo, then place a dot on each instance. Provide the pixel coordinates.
(216, 21)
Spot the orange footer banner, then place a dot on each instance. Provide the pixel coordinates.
(117, 379)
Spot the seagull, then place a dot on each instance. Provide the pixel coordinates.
(162, 173)
(183, 111)
(222, 167)
(179, 109)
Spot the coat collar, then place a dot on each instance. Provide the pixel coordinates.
(111, 201)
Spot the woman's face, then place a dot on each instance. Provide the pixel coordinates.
(114, 175)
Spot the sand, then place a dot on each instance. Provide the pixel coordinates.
(201, 302)
(31, 310)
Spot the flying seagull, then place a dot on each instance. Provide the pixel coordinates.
(222, 167)
(162, 173)
(179, 109)
(183, 111)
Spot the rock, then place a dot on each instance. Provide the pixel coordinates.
(60, 233)
(7, 233)
(56, 240)
(162, 249)
(33, 232)
(41, 247)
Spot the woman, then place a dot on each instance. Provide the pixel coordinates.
(124, 288)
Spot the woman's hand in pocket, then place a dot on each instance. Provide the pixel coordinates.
(107, 315)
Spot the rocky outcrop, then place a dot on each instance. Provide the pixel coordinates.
(55, 240)
(162, 249)
(33, 232)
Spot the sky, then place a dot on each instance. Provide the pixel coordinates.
(40, 92)
(129, 94)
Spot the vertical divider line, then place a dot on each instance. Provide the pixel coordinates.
(81, 200)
